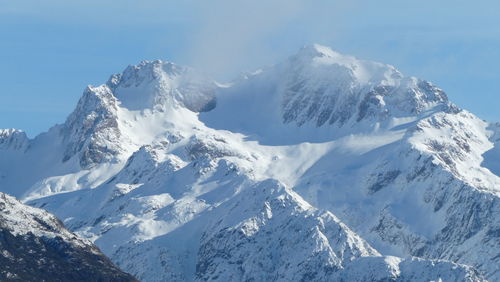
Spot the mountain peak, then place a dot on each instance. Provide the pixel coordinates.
(333, 88)
(313, 169)
(317, 50)
(318, 88)
(13, 139)
(160, 85)
(143, 72)
(363, 72)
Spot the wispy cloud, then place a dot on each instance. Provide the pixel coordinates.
(238, 35)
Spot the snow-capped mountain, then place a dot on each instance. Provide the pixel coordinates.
(35, 246)
(322, 167)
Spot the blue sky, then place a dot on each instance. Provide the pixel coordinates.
(50, 50)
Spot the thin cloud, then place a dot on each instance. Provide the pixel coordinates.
(237, 35)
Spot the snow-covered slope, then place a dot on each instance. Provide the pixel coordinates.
(13, 139)
(161, 85)
(322, 167)
(318, 95)
(35, 246)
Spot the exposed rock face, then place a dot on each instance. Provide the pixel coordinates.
(324, 87)
(91, 131)
(275, 220)
(35, 246)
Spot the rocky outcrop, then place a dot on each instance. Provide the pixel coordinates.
(35, 246)
(91, 132)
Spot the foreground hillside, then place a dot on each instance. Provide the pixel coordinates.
(35, 246)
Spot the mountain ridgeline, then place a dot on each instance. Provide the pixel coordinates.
(322, 167)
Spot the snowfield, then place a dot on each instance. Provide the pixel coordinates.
(322, 167)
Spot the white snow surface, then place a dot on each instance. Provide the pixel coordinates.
(19, 219)
(322, 167)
